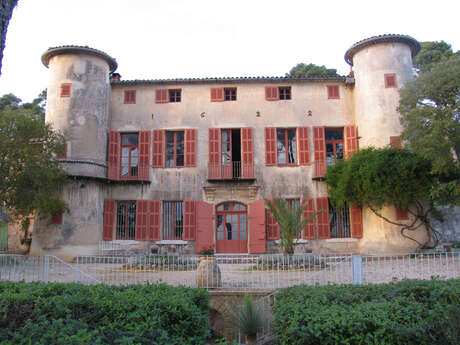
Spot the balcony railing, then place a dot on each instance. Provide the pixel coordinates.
(232, 171)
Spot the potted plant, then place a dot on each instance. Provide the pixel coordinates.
(249, 319)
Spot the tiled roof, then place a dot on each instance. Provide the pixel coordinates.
(230, 80)
(78, 49)
(411, 42)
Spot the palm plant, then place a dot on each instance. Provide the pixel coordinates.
(289, 220)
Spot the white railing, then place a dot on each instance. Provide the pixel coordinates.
(247, 272)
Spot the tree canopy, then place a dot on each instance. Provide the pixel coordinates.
(30, 179)
(431, 53)
(430, 116)
(304, 70)
(376, 178)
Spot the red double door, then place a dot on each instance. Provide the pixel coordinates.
(231, 228)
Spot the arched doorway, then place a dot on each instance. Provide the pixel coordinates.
(232, 225)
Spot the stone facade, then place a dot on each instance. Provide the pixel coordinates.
(189, 206)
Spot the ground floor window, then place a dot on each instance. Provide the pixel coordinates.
(173, 220)
(339, 221)
(126, 220)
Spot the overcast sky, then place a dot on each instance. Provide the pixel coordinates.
(154, 39)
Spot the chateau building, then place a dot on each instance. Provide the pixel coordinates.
(181, 165)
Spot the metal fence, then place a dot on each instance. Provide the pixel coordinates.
(246, 272)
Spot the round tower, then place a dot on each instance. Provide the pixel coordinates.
(78, 105)
(381, 64)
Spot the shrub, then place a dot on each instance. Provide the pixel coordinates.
(37, 313)
(407, 312)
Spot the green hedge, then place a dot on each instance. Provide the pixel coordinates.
(407, 312)
(67, 314)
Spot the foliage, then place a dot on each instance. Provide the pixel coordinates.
(430, 116)
(407, 312)
(30, 178)
(249, 318)
(431, 53)
(35, 108)
(383, 177)
(207, 251)
(304, 70)
(37, 313)
(289, 220)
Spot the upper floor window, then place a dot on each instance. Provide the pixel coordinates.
(174, 95)
(66, 90)
(333, 92)
(130, 97)
(126, 220)
(220, 94)
(275, 93)
(175, 149)
(129, 155)
(334, 145)
(286, 146)
(168, 95)
(230, 93)
(390, 80)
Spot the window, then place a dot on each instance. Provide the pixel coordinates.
(129, 155)
(56, 218)
(230, 93)
(333, 92)
(174, 96)
(66, 90)
(130, 97)
(286, 146)
(275, 93)
(334, 145)
(173, 220)
(390, 80)
(175, 149)
(339, 221)
(126, 220)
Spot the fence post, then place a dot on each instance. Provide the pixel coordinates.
(357, 266)
(46, 269)
(77, 273)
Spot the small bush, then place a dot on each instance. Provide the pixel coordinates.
(37, 313)
(407, 312)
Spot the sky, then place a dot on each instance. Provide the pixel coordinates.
(156, 39)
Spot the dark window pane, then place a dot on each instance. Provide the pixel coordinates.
(180, 160)
(333, 134)
(292, 146)
(281, 145)
(129, 139)
(180, 143)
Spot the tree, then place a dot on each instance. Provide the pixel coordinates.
(304, 70)
(376, 178)
(431, 53)
(430, 116)
(30, 178)
(289, 220)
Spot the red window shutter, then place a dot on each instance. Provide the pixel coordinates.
(144, 155)
(130, 97)
(217, 94)
(66, 90)
(248, 152)
(114, 156)
(272, 226)
(56, 218)
(333, 92)
(401, 214)
(189, 220)
(270, 146)
(309, 230)
(153, 233)
(356, 221)
(190, 147)
(319, 144)
(214, 153)
(257, 234)
(304, 146)
(204, 226)
(109, 209)
(141, 220)
(351, 142)
(390, 80)
(161, 96)
(322, 219)
(157, 151)
(272, 93)
(396, 142)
